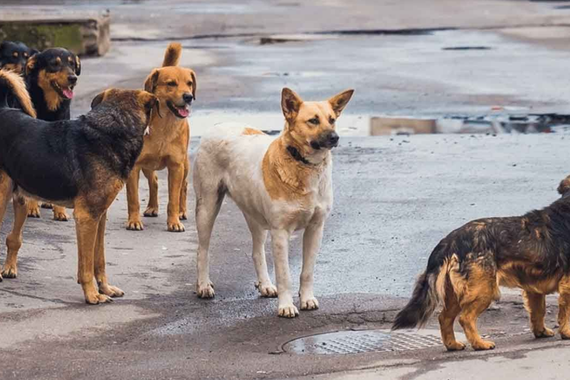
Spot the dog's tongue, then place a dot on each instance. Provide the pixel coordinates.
(68, 93)
(184, 112)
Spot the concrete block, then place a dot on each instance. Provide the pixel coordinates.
(85, 33)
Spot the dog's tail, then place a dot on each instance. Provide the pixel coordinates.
(172, 54)
(428, 292)
(12, 84)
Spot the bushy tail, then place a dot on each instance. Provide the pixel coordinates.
(172, 54)
(13, 85)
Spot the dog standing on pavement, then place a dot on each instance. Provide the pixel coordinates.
(81, 164)
(166, 144)
(464, 271)
(50, 78)
(281, 185)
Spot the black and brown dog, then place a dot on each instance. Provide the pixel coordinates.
(50, 78)
(84, 163)
(464, 271)
(14, 55)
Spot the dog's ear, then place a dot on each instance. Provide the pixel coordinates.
(151, 81)
(77, 66)
(564, 186)
(339, 101)
(32, 52)
(98, 99)
(290, 103)
(31, 64)
(194, 84)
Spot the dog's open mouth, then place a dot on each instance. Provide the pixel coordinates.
(64, 92)
(179, 111)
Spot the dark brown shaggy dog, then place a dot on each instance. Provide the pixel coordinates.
(464, 271)
(84, 163)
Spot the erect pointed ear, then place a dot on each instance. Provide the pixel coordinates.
(31, 64)
(98, 99)
(194, 84)
(290, 103)
(339, 101)
(77, 66)
(151, 81)
(564, 186)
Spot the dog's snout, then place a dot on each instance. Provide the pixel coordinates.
(333, 138)
(188, 97)
(72, 79)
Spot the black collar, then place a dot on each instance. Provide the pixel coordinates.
(297, 156)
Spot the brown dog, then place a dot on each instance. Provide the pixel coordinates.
(83, 163)
(166, 144)
(464, 271)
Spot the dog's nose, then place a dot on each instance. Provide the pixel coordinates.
(72, 79)
(333, 138)
(188, 97)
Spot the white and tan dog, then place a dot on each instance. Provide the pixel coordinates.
(281, 185)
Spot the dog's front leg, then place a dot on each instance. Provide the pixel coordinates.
(134, 222)
(175, 179)
(6, 187)
(280, 248)
(86, 226)
(311, 244)
(100, 272)
(14, 239)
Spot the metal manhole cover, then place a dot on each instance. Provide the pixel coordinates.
(357, 342)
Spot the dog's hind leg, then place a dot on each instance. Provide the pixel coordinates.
(184, 192)
(176, 173)
(259, 236)
(33, 208)
(100, 273)
(535, 304)
(480, 290)
(208, 204)
(5, 195)
(451, 310)
(280, 248)
(134, 222)
(312, 238)
(14, 239)
(152, 207)
(564, 307)
(60, 214)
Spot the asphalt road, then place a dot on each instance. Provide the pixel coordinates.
(395, 197)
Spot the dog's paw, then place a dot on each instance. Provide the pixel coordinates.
(34, 212)
(111, 291)
(565, 334)
(455, 346)
(183, 215)
(151, 212)
(205, 290)
(175, 226)
(97, 298)
(266, 289)
(288, 311)
(47, 205)
(60, 215)
(309, 304)
(135, 225)
(484, 345)
(546, 333)
(10, 271)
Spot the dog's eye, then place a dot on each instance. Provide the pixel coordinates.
(314, 121)
(25, 55)
(189, 84)
(15, 54)
(331, 121)
(171, 84)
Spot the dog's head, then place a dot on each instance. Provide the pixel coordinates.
(139, 103)
(564, 187)
(311, 125)
(56, 71)
(175, 87)
(14, 55)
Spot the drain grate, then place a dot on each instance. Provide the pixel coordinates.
(357, 342)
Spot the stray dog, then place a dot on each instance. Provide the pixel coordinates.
(281, 185)
(84, 163)
(464, 271)
(50, 77)
(14, 55)
(166, 145)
